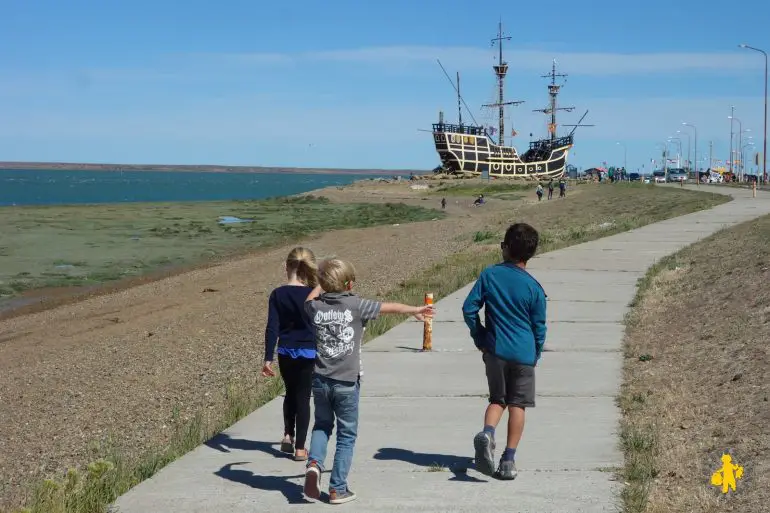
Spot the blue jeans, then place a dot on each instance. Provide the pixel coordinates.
(333, 398)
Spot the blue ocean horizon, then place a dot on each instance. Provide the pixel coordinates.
(60, 187)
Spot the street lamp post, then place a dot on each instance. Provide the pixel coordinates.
(743, 162)
(625, 156)
(665, 157)
(689, 144)
(695, 150)
(731, 117)
(764, 149)
(740, 132)
(743, 149)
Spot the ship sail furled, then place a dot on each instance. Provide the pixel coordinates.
(470, 149)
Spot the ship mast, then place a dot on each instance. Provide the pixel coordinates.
(501, 69)
(553, 91)
(459, 99)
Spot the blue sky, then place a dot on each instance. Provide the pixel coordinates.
(347, 84)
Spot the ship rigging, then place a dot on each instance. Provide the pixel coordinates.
(470, 149)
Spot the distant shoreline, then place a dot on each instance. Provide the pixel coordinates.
(70, 166)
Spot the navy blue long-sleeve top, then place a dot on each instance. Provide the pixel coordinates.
(288, 325)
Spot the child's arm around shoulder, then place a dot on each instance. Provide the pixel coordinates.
(310, 301)
(314, 293)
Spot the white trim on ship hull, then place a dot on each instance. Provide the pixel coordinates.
(498, 158)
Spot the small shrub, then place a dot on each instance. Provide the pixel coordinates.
(484, 236)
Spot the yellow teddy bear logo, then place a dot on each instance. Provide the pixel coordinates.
(727, 475)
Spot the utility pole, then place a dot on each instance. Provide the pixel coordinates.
(732, 115)
(711, 153)
(697, 174)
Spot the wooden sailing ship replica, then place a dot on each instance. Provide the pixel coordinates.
(470, 149)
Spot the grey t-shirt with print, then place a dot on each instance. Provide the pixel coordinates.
(339, 319)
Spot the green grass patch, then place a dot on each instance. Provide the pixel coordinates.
(484, 236)
(88, 245)
(504, 190)
(588, 216)
(640, 447)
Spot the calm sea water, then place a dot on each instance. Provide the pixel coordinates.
(33, 187)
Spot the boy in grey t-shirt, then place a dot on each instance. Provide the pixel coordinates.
(339, 317)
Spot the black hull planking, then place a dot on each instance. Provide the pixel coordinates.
(472, 152)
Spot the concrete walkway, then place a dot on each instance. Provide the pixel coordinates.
(420, 411)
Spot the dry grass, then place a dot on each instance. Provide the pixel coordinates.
(697, 377)
(146, 374)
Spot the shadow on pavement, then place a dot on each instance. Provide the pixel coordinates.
(412, 349)
(223, 442)
(457, 465)
(292, 491)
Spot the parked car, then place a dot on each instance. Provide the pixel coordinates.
(677, 175)
(634, 177)
(659, 176)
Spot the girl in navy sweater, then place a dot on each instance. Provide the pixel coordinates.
(289, 328)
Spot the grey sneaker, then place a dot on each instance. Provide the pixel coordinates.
(506, 470)
(312, 481)
(336, 497)
(484, 445)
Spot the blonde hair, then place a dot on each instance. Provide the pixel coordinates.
(334, 275)
(301, 262)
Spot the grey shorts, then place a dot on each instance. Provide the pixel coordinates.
(510, 383)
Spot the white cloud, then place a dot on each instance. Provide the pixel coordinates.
(234, 67)
(264, 118)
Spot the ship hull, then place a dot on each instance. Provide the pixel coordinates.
(475, 154)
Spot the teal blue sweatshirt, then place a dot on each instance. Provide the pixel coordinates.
(514, 316)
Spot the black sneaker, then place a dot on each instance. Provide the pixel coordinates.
(484, 445)
(506, 470)
(336, 497)
(287, 446)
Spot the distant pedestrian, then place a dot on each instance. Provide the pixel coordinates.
(339, 317)
(289, 328)
(562, 188)
(539, 192)
(550, 188)
(443, 203)
(511, 341)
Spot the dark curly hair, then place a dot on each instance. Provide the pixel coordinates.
(520, 243)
